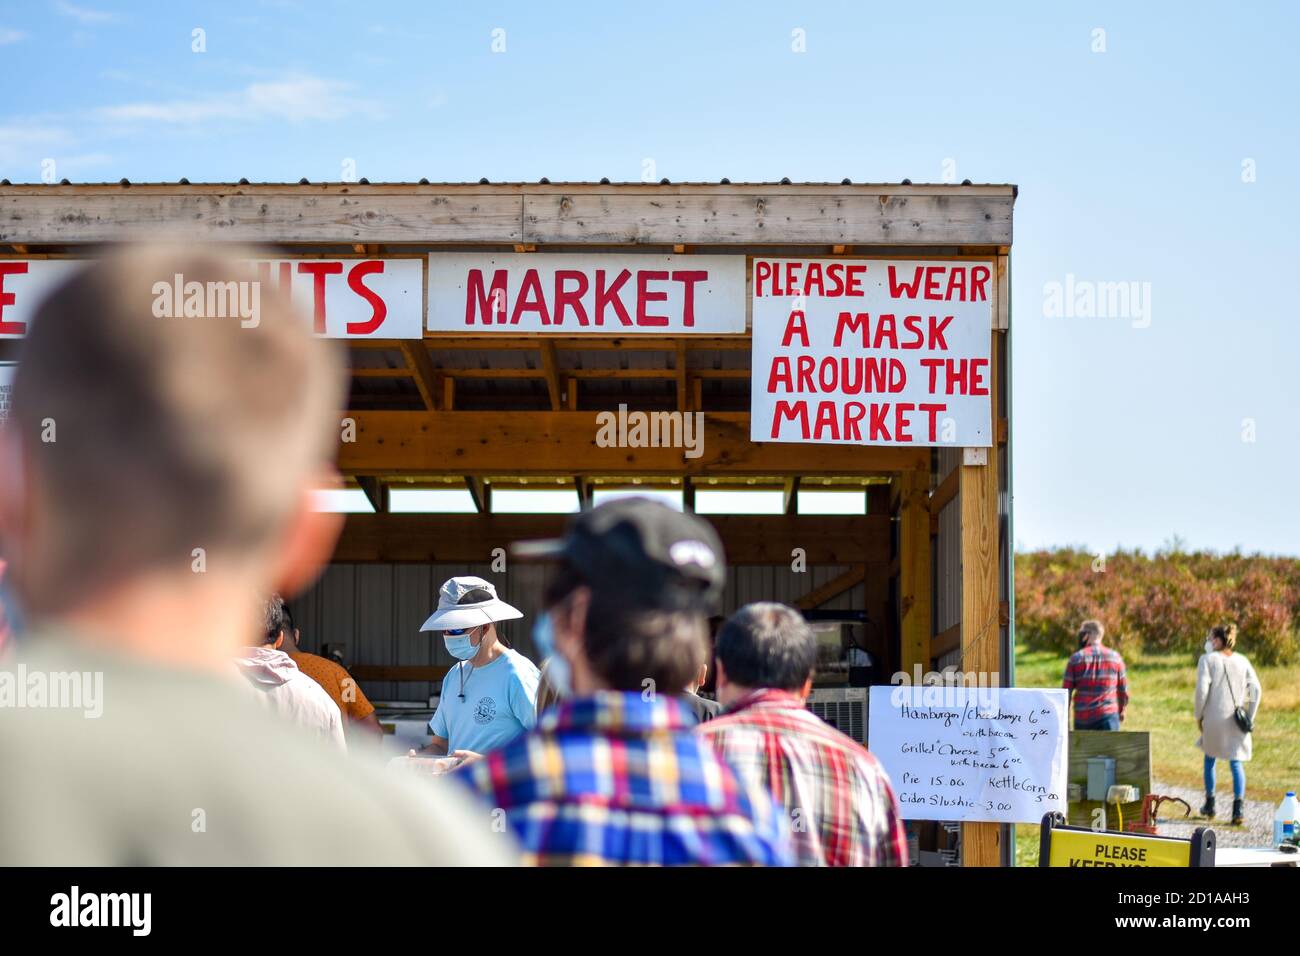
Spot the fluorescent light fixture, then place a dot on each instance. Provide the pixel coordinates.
(349, 501)
(457, 501)
(534, 501)
(673, 499)
(832, 502)
(739, 502)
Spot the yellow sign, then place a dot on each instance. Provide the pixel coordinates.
(1088, 848)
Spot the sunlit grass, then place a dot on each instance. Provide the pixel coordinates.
(1160, 692)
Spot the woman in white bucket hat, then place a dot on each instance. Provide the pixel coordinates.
(490, 696)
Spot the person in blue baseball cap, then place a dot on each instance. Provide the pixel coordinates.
(489, 696)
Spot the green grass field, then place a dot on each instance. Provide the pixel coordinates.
(1160, 701)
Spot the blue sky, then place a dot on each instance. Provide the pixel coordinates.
(1128, 430)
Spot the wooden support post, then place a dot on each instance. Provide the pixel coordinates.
(376, 493)
(688, 494)
(980, 632)
(790, 492)
(422, 367)
(683, 389)
(914, 579)
(448, 393)
(481, 492)
(551, 366)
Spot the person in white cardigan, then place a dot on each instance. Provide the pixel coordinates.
(1225, 681)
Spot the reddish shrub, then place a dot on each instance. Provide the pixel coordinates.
(1164, 603)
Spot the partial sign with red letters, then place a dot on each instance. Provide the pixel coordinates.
(345, 298)
(575, 294)
(872, 352)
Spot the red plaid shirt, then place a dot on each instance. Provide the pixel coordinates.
(842, 808)
(1097, 677)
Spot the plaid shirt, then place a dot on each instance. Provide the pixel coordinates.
(613, 779)
(1097, 677)
(842, 808)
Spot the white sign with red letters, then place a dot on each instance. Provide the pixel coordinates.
(872, 352)
(345, 298)
(586, 293)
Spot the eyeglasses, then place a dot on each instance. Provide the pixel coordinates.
(460, 631)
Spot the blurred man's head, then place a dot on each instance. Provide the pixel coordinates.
(762, 646)
(144, 450)
(1091, 632)
(631, 600)
(279, 630)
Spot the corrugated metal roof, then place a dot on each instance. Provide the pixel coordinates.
(126, 183)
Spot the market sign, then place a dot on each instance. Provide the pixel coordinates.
(872, 352)
(575, 294)
(346, 298)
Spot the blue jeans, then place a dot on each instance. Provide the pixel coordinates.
(1238, 778)
(1102, 723)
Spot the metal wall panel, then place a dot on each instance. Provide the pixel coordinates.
(947, 592)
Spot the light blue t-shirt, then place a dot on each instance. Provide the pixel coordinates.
(500, 703)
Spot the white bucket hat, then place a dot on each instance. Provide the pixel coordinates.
(455, 613)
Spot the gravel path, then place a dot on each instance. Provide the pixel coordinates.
(1257, 830)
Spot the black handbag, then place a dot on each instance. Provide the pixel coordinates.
(1239, 713)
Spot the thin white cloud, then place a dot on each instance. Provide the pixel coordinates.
(25, 144)
(8, 36)
(292, 99)
(84, 15)
(70, 165)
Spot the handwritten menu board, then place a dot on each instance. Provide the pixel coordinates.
(7, 370)
(986, 755)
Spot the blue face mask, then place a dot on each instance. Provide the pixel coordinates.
(557, 671)
(460, 647)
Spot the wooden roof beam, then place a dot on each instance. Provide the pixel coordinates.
(422, 367)
(519, 215)
(564, 444)
(746, 539)
(832, 588)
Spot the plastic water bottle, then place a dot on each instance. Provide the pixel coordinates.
(1284, 820)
